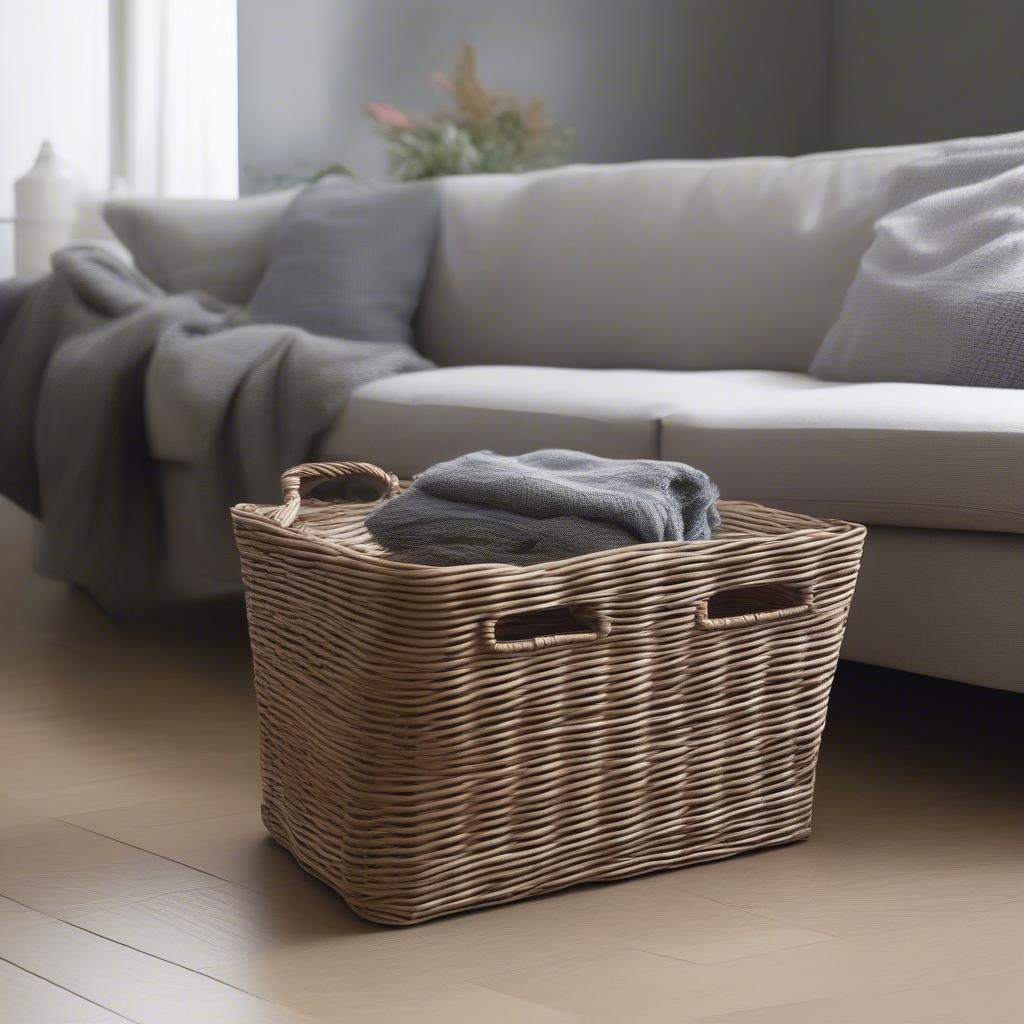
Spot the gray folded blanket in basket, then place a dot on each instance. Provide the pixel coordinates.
(542, 506)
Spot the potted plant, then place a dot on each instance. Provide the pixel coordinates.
(482, 131)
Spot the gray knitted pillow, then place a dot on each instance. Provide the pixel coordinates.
(348, 259)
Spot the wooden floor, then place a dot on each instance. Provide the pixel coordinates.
(137, 882)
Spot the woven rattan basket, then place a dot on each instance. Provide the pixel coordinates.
(434, 739)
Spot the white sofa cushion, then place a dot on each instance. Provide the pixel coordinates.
(688, 265)
(891, 454)
(922, 455)
(409, 422)
(218, 246)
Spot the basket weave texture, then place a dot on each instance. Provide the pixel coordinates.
(434, 739)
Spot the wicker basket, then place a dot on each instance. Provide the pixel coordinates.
(434, 739)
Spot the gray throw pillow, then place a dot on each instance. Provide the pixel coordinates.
(348, 259)
(939, 295)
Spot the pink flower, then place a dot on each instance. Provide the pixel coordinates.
(387, 115)
(439, 80)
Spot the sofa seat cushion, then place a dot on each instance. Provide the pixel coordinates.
(921, 455)
(409, 422)
(889, 454)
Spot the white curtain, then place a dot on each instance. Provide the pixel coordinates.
(53, 85)
(175, 97)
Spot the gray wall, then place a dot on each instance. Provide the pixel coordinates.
(634, 78)
(921, 70)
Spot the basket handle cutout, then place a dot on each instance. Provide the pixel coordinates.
(299, 481)
(754, 605)
(544, 628)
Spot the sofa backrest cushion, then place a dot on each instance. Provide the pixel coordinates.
(719, 264)
(218, 246)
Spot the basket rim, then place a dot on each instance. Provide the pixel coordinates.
(819, 529)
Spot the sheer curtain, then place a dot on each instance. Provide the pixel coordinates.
(174, 97)
(53, 85)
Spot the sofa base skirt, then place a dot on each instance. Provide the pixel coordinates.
(943, 603)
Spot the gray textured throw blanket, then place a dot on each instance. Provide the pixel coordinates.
(75, 350)
(542, 506)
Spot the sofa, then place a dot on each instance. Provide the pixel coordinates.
(671, 310)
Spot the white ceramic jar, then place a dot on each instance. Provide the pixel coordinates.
(45, 208)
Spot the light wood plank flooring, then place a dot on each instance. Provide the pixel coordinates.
(138, 884)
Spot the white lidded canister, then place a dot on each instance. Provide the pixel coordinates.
(45, 202)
